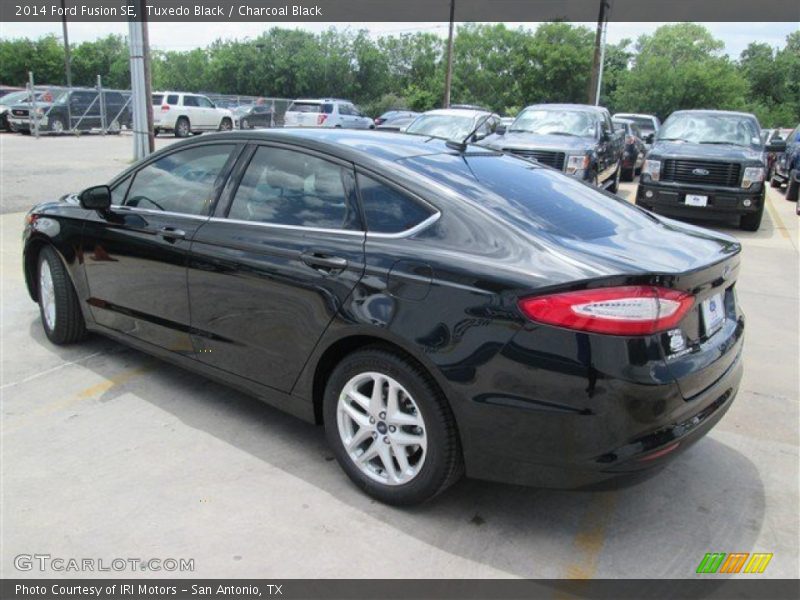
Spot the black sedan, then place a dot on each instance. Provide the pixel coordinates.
(255, 116)
(441, 309)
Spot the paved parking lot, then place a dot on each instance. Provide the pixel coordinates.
(109, 453)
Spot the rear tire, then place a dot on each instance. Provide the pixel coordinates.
(244, 124)
(774, 182)
(628, 174)
(793, 186)
(398, 471)
(752, 221)
(182, 128)
(226, 124)
(62, 319)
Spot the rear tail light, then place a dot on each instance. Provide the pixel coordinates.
(321, 119)
(625, 310)
(164, 107)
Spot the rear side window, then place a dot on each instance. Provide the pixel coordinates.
(284, 187)
(387, 210)
(172, 99)
(304, 107)
(181, 182)
(327, 109)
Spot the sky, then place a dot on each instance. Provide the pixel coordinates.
(185, 36)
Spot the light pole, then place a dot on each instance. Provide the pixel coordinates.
(599, 53)
(448, 78)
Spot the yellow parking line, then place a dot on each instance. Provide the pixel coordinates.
(776, 219)
(90, 392)
(591, 536)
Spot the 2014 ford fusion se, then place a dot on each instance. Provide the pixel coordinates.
(440, 308)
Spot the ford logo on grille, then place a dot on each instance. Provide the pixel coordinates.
(700, 172)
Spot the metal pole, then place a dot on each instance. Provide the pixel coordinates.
(67, 59)
(101, 98)
(598, 51)
(448, 80)
(32, 110)
(148, 84)
(602, 65)
(140, 145)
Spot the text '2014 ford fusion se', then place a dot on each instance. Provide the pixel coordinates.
(441, 308)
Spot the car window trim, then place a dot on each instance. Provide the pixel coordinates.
(232, 186)
(436, 213)
(219, 182)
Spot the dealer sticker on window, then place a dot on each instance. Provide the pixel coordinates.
(713, 313)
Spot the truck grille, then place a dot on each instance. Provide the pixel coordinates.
(545, 157)
(705, 172)
(20, 112)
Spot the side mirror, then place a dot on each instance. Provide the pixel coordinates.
(776, 145)
(500, 129)
(96, 198)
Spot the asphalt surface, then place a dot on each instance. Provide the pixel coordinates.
(107, 452)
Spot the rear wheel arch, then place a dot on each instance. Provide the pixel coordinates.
(339, 349)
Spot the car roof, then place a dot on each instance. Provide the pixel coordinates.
(642, 115)
(321, 100)
(586, 107)
(704, 111)
(457, 112)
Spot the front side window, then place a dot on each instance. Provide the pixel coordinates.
(118, 191)
(284, 187)
(181, 182)
(387, 210)
(190, 101)
(204, 102)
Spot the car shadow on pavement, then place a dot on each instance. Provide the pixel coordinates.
(710, 498)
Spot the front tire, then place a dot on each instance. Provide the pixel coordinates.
(226, 125)
(391, 428)
(56, 125)
(62, 319)
(793, 186)
(752, 221)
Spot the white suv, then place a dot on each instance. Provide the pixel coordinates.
(327, 112)
(188, 113)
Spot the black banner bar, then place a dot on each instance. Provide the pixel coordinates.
(713, 587)
(354, 11)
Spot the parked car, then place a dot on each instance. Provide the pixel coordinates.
(396, 124)
(328, 112)
(454, 123)
(489, 316)
(184, 114)
(394, 114)
(7, 101)
(787, 165)
(707, 163)
(648, 124)
(634, 150)
(75, 110)
(577, 139)
(255, 116)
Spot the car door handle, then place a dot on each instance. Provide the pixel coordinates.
(322, 262)
(172, 233)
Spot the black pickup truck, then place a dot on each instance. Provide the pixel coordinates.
(577, 139)
(707, 163)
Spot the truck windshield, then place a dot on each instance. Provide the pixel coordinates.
(736, 130)
(556, 122)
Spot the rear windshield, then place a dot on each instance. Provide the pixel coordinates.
(310, 107)
(532, 198)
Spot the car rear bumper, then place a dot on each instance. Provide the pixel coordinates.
(671, 199)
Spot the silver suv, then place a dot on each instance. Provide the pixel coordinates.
(326, 112)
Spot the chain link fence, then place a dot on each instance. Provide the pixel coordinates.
(253, 112)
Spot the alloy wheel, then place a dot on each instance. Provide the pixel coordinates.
(57, 126)
(47, 295)
(381, 428)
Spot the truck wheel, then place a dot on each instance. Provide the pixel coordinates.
(56, 125)
(615, 186)
(182, 128)
(752, 221)
(774, 182)
(793, 186)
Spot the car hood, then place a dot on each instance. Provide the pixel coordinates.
(710, 151)
(532, 141)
